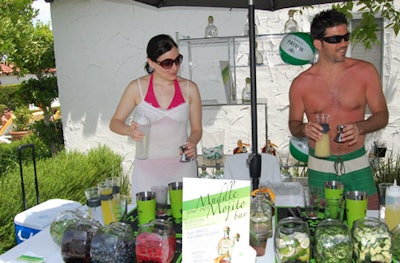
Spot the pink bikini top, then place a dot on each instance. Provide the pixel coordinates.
(176, 100)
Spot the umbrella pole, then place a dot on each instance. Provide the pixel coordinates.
(254, 159)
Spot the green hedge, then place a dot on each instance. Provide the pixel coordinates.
(9, 96)
(64, 176)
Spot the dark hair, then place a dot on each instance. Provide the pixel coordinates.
(324, 20)
(157, 46)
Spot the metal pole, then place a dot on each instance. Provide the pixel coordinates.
(254, 159)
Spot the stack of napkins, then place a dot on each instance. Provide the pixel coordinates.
(288, 194)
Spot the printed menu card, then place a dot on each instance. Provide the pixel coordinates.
(215, 219)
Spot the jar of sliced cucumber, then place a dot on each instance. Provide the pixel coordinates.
(371, 241)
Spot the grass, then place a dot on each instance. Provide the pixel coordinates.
(387, 168)
(64, 176)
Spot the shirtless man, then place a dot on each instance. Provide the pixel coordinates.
(342, 87)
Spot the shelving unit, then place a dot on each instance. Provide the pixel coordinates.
(205, 58)
(219, 66)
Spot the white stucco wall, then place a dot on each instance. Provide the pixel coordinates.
(100, 47)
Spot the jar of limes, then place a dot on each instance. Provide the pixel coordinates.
(292, 240)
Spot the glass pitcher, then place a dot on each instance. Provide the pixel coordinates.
(156, 242)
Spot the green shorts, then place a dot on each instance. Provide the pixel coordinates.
(353, 169)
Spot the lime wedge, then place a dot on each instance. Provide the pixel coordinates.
(286, 251)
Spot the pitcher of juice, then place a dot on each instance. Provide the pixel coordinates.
(322, 147)
(107, 204)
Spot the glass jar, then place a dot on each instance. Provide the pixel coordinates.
(292, 240)
(260, 223)
(61, 223)
(333, 242)
(120, 241)
(371, 241)
(156, 242)
(396, 243)
(76, 241)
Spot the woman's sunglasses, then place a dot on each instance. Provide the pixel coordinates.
(336, 39)
(167, 63)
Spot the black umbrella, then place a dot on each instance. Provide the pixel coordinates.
(254, 159)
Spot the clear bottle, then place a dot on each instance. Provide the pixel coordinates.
(246, 28)
(142, 146)
(291, 24)
(259, 56)
(260, 223)
(226, 244)
(246, 92)
(211, 29)
(392, 205)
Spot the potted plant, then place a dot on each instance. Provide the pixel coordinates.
(21, 123)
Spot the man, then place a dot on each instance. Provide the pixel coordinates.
(342, 87)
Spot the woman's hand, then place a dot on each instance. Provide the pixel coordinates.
(190, 150)
(134, 132)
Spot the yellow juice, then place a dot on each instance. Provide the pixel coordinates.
(107, 205)
(392, 216)
(322, 148)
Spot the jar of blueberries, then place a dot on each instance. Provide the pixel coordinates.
(114, 243)
(76, 240)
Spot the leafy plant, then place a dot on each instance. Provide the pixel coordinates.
(365, 32)
(64, 176)
(21, 122)
(386, 169)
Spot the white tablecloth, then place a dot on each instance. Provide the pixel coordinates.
(43, 245)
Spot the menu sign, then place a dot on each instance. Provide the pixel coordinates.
(215, 219)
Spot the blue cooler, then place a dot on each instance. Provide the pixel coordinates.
(35, 219)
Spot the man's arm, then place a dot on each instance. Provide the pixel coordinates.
(296, 111)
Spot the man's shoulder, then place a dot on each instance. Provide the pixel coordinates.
(354, 62)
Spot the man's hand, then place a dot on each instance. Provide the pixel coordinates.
(351, 133)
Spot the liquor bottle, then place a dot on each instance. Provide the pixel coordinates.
(211, 29)
(226, 244)
(291, 25)
(246, 93)
(259, 56)
(246, 28)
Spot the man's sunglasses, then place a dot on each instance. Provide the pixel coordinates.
(336, 39)
(167, 63)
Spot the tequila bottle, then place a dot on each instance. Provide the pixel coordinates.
(259, 56)
(211, 29)
(225, 245)
(246, 28)
(291, 25)
(246, 93)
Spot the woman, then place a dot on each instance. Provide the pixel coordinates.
(170, 102)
